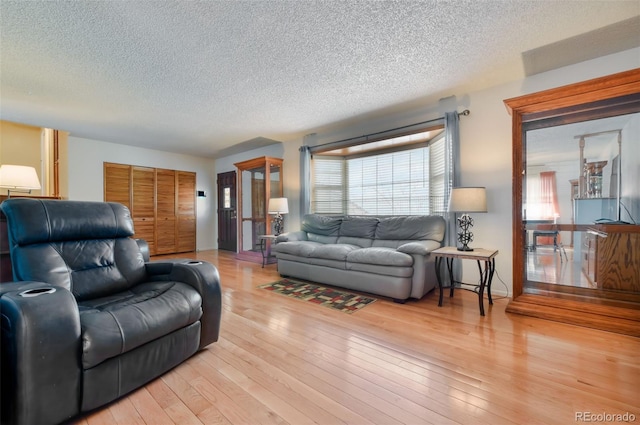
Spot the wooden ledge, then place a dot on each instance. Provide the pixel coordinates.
(607, 318)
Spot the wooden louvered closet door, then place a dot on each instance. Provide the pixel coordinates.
(143, 204)
(162, 204)
(117, 184)
(166, 222)
(186, 211)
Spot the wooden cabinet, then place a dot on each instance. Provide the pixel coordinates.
(162, 204)
(259, 180)
(614, 257)
(607, 254)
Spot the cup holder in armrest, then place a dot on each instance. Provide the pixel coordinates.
(37, 292)
(194, 263)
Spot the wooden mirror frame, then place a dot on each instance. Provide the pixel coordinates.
(556, 103)
(267, 163)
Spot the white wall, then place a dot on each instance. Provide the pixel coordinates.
(485, 157)
(485, 147)
(86, 158)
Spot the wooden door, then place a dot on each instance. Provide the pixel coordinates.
(117, 184)
(143, 204)
(166, 221)
(227, 212)
(186, 211)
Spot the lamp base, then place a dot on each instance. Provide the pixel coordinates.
(277, 224)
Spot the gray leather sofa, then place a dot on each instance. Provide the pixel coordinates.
(388, 256)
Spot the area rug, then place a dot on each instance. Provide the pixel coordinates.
(322, 295)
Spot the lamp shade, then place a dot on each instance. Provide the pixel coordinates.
(468, 199)
(278, 206)
(19, 177)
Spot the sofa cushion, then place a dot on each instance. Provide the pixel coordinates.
(119, 323)
(334, 264)
(334, 251)
(321, 224)
(298, 248)
(359, 227)
(350, 240)
(382, 270)
(381, 256)
(322, 238)
(411, 228)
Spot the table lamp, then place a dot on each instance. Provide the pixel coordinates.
(467, 200)
(18, 178)
(278, 206)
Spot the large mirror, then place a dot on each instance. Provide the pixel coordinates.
(576, 203)
(576, 176)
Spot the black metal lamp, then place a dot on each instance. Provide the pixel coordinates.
(278, 206)
(466, 200)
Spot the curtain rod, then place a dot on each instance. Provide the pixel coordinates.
(366, 136)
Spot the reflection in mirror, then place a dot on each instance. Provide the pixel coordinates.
(577, 175)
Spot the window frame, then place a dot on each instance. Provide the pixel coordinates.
(432, 206)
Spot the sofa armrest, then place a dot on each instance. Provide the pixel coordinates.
(41, 348)
(419, 247)
(205, 279)
(292, 236)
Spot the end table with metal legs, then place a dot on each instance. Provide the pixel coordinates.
(484, 257)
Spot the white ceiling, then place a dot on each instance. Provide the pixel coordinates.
(200, 77)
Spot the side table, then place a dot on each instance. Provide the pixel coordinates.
(482, 256)
(265, 246)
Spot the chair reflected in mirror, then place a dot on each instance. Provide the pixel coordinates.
(549, 237)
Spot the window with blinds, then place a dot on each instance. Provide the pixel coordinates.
(401, 182)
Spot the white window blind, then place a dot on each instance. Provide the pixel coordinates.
(437, 178)
(403, 182)
(328, 185)
(390, 184)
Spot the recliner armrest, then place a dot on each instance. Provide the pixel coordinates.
(144, 249)
(204, 278)
(41, 348)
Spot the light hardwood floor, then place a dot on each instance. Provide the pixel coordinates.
(283, 361)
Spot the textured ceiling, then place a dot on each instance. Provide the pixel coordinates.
(200, 77)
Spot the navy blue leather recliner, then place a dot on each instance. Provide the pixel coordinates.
(88, 318)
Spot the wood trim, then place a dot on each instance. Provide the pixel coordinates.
(602, 88)
(56, 164)
(607, 318)
(546, 104)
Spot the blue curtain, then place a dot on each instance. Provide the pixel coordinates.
(452, 152)
(305, 179)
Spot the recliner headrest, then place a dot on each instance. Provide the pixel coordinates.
(32, 221)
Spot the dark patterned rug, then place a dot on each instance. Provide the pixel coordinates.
(317, 294)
